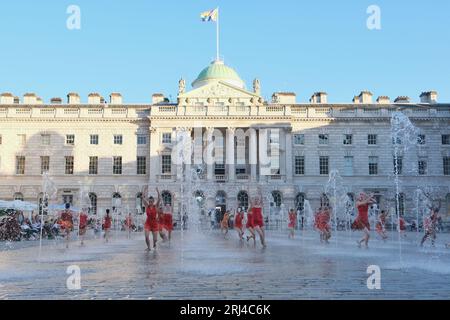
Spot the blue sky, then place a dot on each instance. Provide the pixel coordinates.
(140, 47)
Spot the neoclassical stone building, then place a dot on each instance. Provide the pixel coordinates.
(113, 149)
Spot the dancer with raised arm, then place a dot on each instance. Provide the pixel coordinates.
(168, 219)
(66, 218)
(381, 225)
(430, 225)
(362, 220)
(151, 224)
(292, 217)
(258, 218)
(323, 224)
(82, 226)
(238, 223)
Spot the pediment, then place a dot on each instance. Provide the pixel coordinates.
(218, 89)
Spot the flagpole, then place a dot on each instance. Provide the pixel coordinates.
(218, 35)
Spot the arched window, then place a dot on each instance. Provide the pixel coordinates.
(400, 204)
(324, 201)
(116, 201)
(242, 199)
(92, 203)
(18, 196)
(300, 202)
(277, 199)
(166, 198)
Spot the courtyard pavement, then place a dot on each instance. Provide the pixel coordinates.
(205, 265)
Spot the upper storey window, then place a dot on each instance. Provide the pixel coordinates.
(372, 139)
(299, 139)
(446, 139)
(70, 139)
(118, 139)
(323, 139)
(141, 139)
(167, 138)
(348, 139)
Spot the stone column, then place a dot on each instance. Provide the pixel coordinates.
(230, 154)
(253, 156)
(155, 170)
(288, 155)
(209, 151)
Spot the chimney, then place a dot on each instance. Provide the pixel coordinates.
(56, 101)
(158, 98)
(319, 97)
(73, 98)
(39, 100)
(6, 98)
(402, 99)
(30, 98)
(115, 98)
(383, 100)
(365, 97)
(93, 98)
(429, 97)
(16, 100)
(355, 100)
(284, 98)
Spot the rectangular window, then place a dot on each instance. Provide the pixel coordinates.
(219, 169)
(323, 139)
(117, 165)
(299, 139)
(398, 165)
(93, 165)
(421, 139)
(373, 166)
(166, 164)
(70, 139)
(118, 139)
(323, 164)
(447, 166)
(45, 164)
(45, 139)
(141, 140)
(141, 165)
(348, 166)
(22, 139)
(167, 137)
(348, 139)
(372, 139)
(422, 167)
(396, 141)
(20, 165)
(69, 165)
(299, 165)
(446, 139)
(94, 139)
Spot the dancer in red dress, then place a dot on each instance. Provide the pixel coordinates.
(168, 220)
(402, 226)
(151, 224)
(238, 223)
(362, 221)
(431, 226)
(292, 223)
(249, 225)
(161, 224)
(83, 224)
(381, 225)
(129, 225)
(323, 224)
(107, 223)
(224, 223)
(258, 219)
(66, 218)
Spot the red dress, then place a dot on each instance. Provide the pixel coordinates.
(402, 224)
(292, 220)
(66, 220)
(323, 221)
(238, 220)
(250, 220)
(151, 224)
(362, 221)
(107, 224)
(168, 222)
(258, 220)
(83, 223)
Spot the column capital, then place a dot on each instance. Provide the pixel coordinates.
(231, 129)
(152, 129)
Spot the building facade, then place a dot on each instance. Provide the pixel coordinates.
(234, 145)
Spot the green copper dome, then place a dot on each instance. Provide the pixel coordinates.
(217, 70)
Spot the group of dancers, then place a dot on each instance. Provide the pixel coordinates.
(159, 222)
